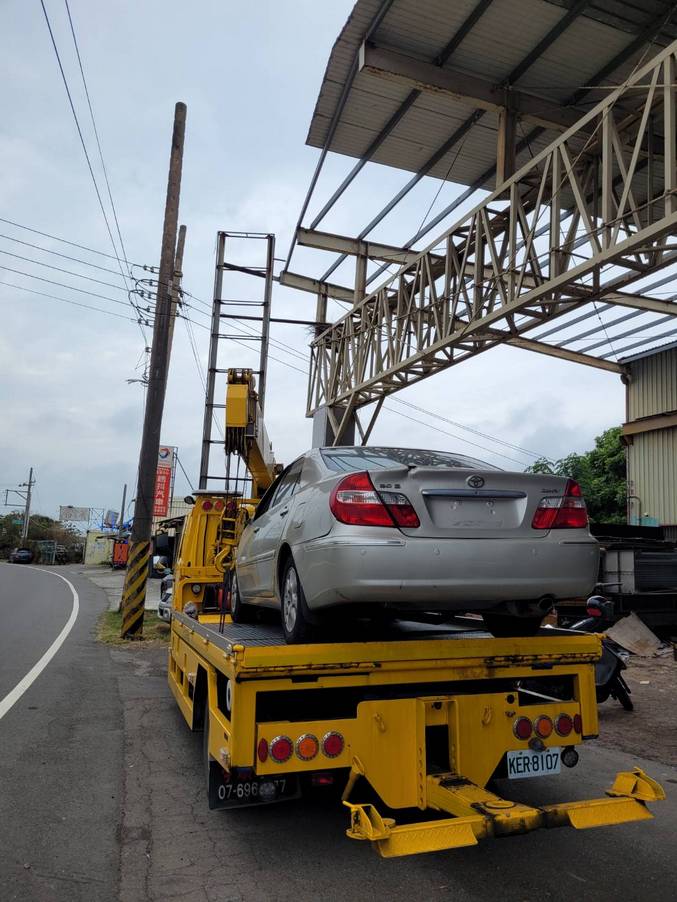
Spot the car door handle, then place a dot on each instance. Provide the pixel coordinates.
(283, 513)
(256, 529)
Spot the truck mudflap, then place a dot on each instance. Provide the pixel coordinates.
(479, 814)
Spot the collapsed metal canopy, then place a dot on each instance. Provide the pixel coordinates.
(497, 88)
(546, 53)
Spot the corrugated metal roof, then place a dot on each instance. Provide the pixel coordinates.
(503, 36)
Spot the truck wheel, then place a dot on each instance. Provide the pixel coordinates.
(295, 614)
(503, 626)
(240, 613)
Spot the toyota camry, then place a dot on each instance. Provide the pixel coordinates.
(410, 531)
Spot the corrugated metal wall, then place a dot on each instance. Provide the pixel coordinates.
(652, 456)
(654, 385)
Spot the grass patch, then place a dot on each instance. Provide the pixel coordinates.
(155, 630)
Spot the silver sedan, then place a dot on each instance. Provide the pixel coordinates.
(410, 531)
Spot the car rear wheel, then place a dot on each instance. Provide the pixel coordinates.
(504, 626)
(295, 615)
(239, 612)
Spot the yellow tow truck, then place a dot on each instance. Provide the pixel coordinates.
(413, 723)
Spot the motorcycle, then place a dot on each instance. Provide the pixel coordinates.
(609, 669)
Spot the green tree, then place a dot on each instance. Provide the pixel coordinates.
(601, 474)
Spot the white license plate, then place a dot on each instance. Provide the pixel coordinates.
(526, 763)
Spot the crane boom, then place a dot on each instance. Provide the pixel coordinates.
(246, 433)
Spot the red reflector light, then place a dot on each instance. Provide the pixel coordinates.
(567, 512)
(355, 501)
(543, 726)
(262, 750)
(522, 728)
(322, 779)
(281, 749)
(206, 505)
(218, 505)
(333, 744)
(578, 724)
(307, 746)
(564, 725)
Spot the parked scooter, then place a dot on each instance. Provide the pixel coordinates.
(609, 669)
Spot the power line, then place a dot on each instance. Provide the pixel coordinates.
(83, 247)
(491, 438)
(401, 413)
(103, 297)
(89, 163)
(74, 303)
(68, 272)
(96, 132)
(47, 250)
(190, 484)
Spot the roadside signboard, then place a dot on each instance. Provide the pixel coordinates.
(163, 481)
(70, 514)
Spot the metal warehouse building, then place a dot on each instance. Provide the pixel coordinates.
(651, 435)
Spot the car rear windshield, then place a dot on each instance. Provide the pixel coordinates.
(347, 459)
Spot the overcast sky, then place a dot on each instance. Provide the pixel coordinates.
(249, 74)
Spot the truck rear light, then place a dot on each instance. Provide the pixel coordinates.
(307, 746)
(543, 726)
(333, 744)
(564, 725)
(355, 501)
(206, 505)
(281, 749)
(262, 750)
(522, 728)
(578, 724)
(567, 512)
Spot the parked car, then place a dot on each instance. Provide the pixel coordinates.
(413, 530)
(166, 594)
(21, 556)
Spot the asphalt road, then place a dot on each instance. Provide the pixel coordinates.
(102, 797)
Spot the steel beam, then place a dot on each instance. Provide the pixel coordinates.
(316, 286)
(462, 85)
(495, 285)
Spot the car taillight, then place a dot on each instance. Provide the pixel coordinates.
(567, 512)
(355, 501)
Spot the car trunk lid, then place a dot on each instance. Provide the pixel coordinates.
(461, 503)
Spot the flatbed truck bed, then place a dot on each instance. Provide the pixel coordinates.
(410, 717)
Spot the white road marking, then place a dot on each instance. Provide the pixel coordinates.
(12, 697)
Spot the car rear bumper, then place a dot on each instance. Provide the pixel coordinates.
(449, 574)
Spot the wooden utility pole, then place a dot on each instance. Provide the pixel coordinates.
(136, 576)
(27, 509)
(176, 283)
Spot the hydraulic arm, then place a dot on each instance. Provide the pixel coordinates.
(246, 433)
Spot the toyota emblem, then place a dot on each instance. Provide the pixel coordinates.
(475, 482)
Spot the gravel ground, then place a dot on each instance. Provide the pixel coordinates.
(651, 729)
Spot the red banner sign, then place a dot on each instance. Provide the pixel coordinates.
(163, 479)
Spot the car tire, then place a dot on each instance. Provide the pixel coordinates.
(294, 610)
(239, 612)
(503, 626)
